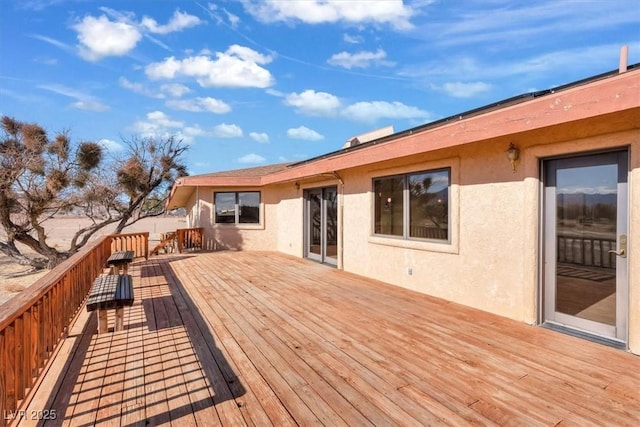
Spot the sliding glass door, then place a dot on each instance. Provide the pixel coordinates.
(321, 224)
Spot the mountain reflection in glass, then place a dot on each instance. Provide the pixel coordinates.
(586, 232)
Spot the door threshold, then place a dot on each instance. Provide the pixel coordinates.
(328, 264)
(578, 333)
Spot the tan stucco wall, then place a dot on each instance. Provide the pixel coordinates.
(290, 237)
(257, 237)
(192, 212)
(493, 260)
(486, 233)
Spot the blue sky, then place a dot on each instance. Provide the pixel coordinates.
(248, 83)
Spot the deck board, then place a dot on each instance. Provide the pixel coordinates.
(260, 338)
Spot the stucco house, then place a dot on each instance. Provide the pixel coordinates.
(528, 208)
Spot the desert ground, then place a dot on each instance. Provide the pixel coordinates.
(14, 278)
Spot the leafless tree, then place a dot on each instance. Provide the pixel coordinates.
(42, 176)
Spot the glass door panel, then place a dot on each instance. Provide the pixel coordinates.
(321, 224)
(331, 237)
(314, 224)
(586, 205)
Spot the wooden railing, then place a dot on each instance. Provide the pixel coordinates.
(189, 238)
(136, 242)
(587, 251)
(167, 243)
(428, 232)
(33, 323)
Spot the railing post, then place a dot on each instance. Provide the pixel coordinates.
(180, 237)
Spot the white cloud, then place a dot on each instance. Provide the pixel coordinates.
(83, 101)
(465, 90)
(227, 131)
(89, 105)
(239, 66)
(63, 46)
(175, 89)
(117, 33)
(100, 37)
(275, 93)
(178, 22)
(542, 64)
(304, 133)
(128, 17)
(159, 125)
(372, 111)
(193, 131)
(352, 39)
(139, 88)
(362, 59)
(199, 104)
(527, 22)
(234, 20)
(314, 103)
(111, 145)
(325, 104)
(260, 137)
(392, 12)
(526, 69)
(164, 120)
(252, 158)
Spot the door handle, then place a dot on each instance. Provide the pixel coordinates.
(622, 248)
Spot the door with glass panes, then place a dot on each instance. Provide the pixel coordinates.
(321, 224)
(585, 244)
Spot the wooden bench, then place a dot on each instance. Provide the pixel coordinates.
(108, 292)
(120, 261)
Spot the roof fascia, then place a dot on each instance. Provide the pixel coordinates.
(220, 181)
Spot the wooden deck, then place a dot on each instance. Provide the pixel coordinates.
(246, 338)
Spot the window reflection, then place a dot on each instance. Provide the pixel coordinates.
(249, 207)
(388, 208)
(429, 205)
(426, 198)
(237, 207)
(225, 208)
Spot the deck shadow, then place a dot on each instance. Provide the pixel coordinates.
(63, 388)
(165, 347)
(147, 270)
(217, 368)
(148, 305)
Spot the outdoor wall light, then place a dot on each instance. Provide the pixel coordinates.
(513, 154)
(297, 184)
